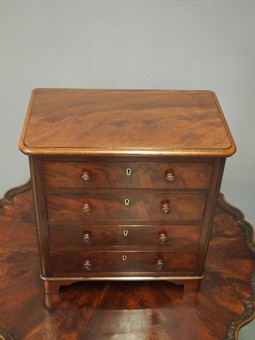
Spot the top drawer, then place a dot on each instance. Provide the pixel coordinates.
(158, 175)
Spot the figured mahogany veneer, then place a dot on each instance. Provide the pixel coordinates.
(130, 263)
(147, 175)
(127, 205)
(105, 310)
(125, 182)
(82, 237)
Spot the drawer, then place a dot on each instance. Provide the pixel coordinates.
(153, 206)
(178, 237)
(127, 175)
(122, 262)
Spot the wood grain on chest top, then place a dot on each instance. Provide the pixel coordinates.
(61, 121)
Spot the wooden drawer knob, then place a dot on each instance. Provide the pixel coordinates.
(162, 238)
(87, 265)
(85, 177)
(87, 238)
(160, 265)
(86, 209)
(165, 208)
(170, 176)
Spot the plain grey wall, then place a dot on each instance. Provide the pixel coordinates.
(149, 44)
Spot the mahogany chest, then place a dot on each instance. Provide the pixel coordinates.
(125, 182)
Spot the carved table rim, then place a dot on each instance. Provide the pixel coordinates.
(239, 220)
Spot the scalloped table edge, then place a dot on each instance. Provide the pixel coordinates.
(249, 314)
(239, 220)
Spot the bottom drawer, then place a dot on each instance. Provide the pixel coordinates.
(122, 263)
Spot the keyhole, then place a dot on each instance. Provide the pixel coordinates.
(124, 257)
(126, 201)
(128, 171)
(125, 232)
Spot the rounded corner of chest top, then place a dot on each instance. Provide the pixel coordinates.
(24, 148)
(231, 150)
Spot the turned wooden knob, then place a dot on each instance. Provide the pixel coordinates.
(160, 264)
(165, 207)
(86, 209)
(162, 238)
(85, 177)
(170, 176)
(87, 265)
(87, 238)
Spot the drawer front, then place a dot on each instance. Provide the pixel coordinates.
(122, 262)
(178, 237)
(158, 175)
(154, 206)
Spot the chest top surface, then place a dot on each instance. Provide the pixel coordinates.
(125, 122)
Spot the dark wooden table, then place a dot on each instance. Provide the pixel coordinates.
(125, 310)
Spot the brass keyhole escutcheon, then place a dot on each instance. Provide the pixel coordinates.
(126, 201)
(124, 257)
(125, 232)
(128, 171)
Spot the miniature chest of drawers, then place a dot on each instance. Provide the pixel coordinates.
(125, 182)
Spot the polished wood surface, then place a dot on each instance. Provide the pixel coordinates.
(109, 157)
(125, 122)
(126, 263)
(126, 310)
(81, 236)
(160, 206)
(71, 206)
(128, 174)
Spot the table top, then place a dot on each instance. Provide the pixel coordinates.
(130, 122)
(137, 310)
